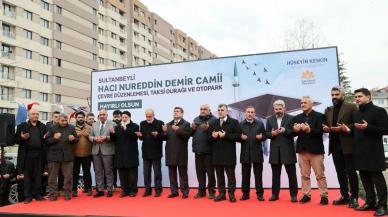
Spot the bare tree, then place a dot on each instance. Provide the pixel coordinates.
(303, 35)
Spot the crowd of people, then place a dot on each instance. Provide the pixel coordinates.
(54, 153)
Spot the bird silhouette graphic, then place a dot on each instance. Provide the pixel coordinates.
(266, 82)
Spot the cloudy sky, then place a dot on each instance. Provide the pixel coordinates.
(230, 27)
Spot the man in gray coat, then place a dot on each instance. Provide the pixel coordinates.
(282, 150)
(102, 151)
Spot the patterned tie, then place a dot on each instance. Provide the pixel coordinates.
(102, 129)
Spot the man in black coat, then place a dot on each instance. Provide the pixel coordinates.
(31, 160)
(282, 150)
(310, 149)
(127, 154)
(341, 146)
(60, 142)
(252, 137)
(7, 172)
(370, 124)
(203, 152)
(177, 133)
(151, 133)
(224, 134)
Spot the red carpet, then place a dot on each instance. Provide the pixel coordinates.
(177, 207)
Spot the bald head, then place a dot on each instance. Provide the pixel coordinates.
(103, 115)
(33, 115)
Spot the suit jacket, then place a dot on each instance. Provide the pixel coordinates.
(224, 149)
(152, 147)
(282, 148)
(368, 150)
(345, 116)
(106, 147)
(61, 150)
(252, 149)
(176, 145)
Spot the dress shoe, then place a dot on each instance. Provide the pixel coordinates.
(53, 198)
(75, 193)
(353, 203)
(220, 197)
(324, 201)
(305, 199)
(232, 198)
(381, 211)
(185, 195)
(67, 197)
(341, 201)
(294, 199)
(172, 195)
(89, 192)
(147, 193)
(244, 197)
(274, 198)
(132, 194)
(211, 195)
(157, 194)
(110, 194)
(366, 207)
(260, 197)
(123, 194)
(40, 198)
(27, 200)
(199, 195)
(99, 194)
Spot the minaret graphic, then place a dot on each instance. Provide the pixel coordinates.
(236, 83)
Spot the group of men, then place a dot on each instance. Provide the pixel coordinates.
(355, 142)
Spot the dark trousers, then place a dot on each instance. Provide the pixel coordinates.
(53, 171)
(203, 167)
(230, 173)
(86, 163)
(156, 165)
(346, 174)
(370, 181)
(292, 180)
(60, 180)
(128, 179)
(4, 192)
(183, 179)
(33, 172)
(246, 177)
(115, 171)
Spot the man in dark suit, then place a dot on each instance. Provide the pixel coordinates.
(224, 134)
(151, 133)
(310, 149)
(252, 137)
(370, 124)
(282, 150)
(177, 133)
(341, 146)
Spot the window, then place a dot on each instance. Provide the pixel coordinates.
(100, 31)
(44, 78)
(5, 93)
(58, 80)
(28, 15)
(94, 12)
(114, 9)
(28, 34)
(26, 93)
(101, 16)
(57, 98)
(58, 62)
(26, 73)
(44, 23)
(27, 54)
(114, 63)
(94, 42)
(101, 2)
(94, 57)
(6, 72)
(44, 97)
(101, 45)
(101, 60)
(58, 44)
(113, 35)
(58, 27)
(44, 59)
(94, 27)
(6, 110)
(45, 5)
(58, 9)
(44, 41)
(43, 115)
(114, 50)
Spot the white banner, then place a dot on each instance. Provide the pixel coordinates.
(238, 81)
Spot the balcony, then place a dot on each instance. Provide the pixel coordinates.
(6, 97)
(9, 34)
(11, 14)
(8, 55)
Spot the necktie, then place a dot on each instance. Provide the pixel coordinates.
(102, 129)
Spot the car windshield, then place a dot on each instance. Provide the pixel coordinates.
(386, 148)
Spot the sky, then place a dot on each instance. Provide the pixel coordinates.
(359, 28)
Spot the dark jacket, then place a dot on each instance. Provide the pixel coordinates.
(200, 139)
(345, 116)
(22, 150)
(127, 153)
(368, 150)
(282, 148)
(61, 150)
(152, 148)
(6, 167)
(224, 149)
(176, 145)
(310, 142)
(252, 149)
